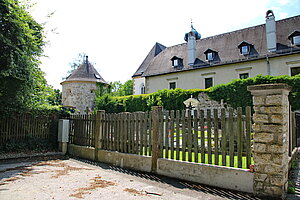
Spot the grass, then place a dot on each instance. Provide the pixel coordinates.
(244, 163)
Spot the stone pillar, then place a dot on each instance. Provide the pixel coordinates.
(270, 147)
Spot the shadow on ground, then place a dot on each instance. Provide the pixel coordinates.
(219, 192)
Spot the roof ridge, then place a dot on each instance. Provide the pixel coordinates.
(239, 30)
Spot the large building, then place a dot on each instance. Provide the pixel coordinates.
(78, 90)
(272, 48)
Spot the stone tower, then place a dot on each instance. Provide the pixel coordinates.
(78, 90)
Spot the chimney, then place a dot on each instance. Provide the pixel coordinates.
(271, 31)
(191, 46)
(191, 38)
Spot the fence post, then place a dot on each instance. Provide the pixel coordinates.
(156, 112)
(63, 135)
(271, 131)
(98, 131)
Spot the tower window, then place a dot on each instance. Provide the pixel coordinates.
(172, 85)
(208, 82)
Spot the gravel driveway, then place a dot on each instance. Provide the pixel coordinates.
(80, 179)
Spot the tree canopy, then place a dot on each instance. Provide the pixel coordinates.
(22, 83)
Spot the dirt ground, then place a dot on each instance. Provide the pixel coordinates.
(80, 179)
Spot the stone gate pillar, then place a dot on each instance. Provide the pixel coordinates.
(270, 148)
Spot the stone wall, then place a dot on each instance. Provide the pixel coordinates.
(270, 147)
(79, 95)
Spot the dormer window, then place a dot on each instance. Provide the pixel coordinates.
(295, 38)
(177, 62)
(245, 48)
(210, 55)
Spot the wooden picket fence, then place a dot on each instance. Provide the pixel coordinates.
(82, 130)
(219, 137)
(21, 127)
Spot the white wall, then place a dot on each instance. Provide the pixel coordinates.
(222, 74)
(137, 82)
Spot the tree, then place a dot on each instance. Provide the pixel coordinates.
(22, 83)
(80, 59)
(119, 89)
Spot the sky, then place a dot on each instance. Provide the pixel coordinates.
(117, 34)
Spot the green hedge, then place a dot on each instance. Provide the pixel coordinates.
(169, 99)
(235, 92)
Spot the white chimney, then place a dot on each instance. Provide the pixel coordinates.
(191, 45)
(271, 31)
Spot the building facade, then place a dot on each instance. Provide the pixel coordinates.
(78, 90)
(272, 48)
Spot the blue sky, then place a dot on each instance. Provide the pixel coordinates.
(118, 34)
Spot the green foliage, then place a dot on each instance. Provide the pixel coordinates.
(119, 89)
(291, 190)
(29, 144)
(22, 83)
(235, 92)
(109, 104)
(169, 99)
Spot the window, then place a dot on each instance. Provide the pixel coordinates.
(295, 37)
(175, 63)
(296, 40)
(245, 50)
(172, 85)
(295, 71)
(142, 87)
(208, 82)
(244, 75)
(210, 56)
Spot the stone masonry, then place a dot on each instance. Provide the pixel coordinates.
(79, 95)
(270, 148)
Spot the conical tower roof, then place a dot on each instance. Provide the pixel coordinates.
(85, 72)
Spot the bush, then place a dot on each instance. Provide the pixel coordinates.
(235, 92)
(169, 99)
